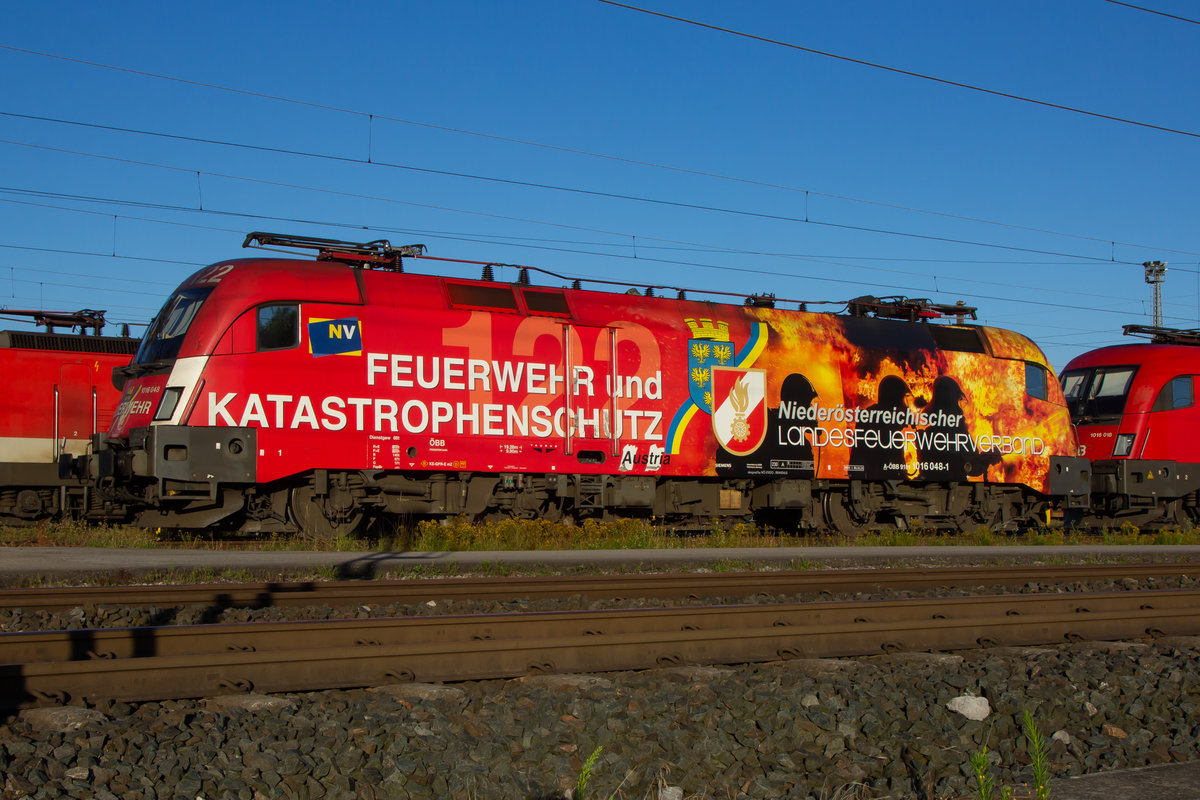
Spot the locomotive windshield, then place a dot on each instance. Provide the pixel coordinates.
(165, 336)
(1097, 396)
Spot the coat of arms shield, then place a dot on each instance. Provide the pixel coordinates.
(739, 408)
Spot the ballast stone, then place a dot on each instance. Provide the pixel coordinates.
(63, 720)
(971, 707)
(251, 702)
(420, 691)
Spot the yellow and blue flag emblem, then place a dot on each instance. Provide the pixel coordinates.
(335, 337)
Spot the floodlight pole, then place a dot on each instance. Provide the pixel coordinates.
(1155, 272)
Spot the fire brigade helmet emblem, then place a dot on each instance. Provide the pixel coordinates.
(740, 408)
(710, 346)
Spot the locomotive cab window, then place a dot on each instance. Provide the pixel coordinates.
(1176, 393)
(1098, 393)
(1110, 387)
(165, 337)
(278, 326)
(1035, 381)
(1073, 383)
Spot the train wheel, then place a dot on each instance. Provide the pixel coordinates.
(845, 517)
(328, 517)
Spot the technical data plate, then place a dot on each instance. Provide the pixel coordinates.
(387, 452)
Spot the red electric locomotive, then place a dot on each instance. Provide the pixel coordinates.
(298, 395)
(58, 393)
(1134, 407)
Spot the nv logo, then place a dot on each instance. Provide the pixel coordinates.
(335, 337)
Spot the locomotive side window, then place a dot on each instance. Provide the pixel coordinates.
(165, 336)
(278, 327)
(1177, 393)
(1035, 381)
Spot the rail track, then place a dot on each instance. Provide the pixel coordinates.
(672, 585)
(155, 663)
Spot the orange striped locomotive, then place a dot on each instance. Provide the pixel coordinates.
(57, 394)
(284, 395)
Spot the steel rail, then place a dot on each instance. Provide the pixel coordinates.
(174, 640)
(677, 636)
(661, 585)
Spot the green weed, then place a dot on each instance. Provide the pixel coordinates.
(1039, 754)
(585, 774)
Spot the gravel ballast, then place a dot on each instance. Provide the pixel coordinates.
(900, 726)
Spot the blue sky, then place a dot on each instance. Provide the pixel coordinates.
(603, 142)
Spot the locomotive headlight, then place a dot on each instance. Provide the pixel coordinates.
(1124, 444)
(166, 406)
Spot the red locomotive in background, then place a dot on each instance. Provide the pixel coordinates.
(276, 394)
(1134, 406)
(58, 392)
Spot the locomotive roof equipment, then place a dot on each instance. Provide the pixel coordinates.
(1160, 335)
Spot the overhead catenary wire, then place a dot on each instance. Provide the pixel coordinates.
(664, 261)
(596, 193)
(553, 187)
(1154, 11)
(641, 238)
(876, 285)
(521, 241)
(372, 116)
(905, 72)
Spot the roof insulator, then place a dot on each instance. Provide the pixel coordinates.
(649, 291)
(523, 278)
(487, 273)
(575, 284)
(681, 295)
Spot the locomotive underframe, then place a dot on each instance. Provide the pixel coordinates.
(324, 504)
(194, 478)
(1142, 492)
(30, 493)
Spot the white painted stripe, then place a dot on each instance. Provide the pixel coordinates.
(185, 374)
(30, 450)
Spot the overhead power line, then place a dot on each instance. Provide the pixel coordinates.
(905, 287)
(1153, 11)
(372, 117)
(808, 220)
(900, 71)
(561, 246)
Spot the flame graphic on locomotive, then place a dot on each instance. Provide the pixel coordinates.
(317, 395)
